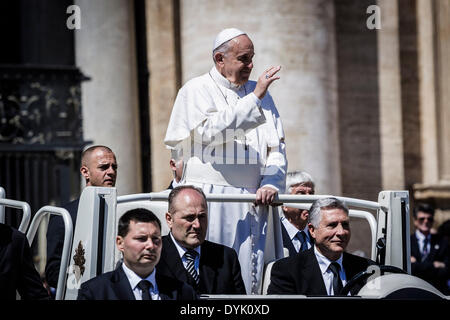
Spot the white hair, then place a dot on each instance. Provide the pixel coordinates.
(297, 177)
(224, 48)
(315, 213)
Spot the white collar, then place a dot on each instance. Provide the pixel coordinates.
(220, 79)
(175, 183)
(324, 262)
(292, 230)
(182, 250)
(134, 279)
(421, 237)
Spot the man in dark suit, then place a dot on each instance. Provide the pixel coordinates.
(324, 268)
(99, 169)
(430, 253)
(209, 267)
(139, 240)
(294, 222)
(17, 271)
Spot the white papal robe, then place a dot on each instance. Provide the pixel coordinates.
(232, 143)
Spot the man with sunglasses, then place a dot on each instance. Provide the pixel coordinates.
(429, 253)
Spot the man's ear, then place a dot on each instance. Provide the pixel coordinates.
(218, 58)
(172, 164)
(305, 214)
(169, 220)
(84, 172)
(119, 243)
(312, 230)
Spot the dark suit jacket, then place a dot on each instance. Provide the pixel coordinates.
(439, 251)
(55, 241)
(114, 285)
(17, 271)
(287, 242)
(220, 271)
(300, 274)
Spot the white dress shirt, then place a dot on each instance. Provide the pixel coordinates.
(292, 232)
(327, 275)
(134, 280)
(421, 240)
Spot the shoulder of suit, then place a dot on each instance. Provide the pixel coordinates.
(359, 259)
(7, 233)
(294, 259)
(166, 283)
(99, 279)
(216, 246)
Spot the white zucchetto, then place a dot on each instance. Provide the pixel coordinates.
(226, 35)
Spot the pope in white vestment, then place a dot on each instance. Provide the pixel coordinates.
(232, 142)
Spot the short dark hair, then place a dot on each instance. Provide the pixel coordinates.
(137, 215)
(423, 207)
(176, 191)
(86, 153)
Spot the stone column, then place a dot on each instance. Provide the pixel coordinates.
(434, 55)
(161, 18)
(427, 89)
(392, 174)
(105, 52)
(299, 36)
(442, 10)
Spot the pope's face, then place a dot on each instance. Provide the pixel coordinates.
(332, 234)
(237, 62)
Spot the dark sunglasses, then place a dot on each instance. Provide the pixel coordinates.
(422, 219)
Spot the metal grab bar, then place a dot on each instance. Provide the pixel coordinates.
(296, 201)
(67, 246)
(2, 208)
(18, 205)
(280, 199)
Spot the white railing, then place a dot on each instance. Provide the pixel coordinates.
(68, 236)
(282, 198)
(25, 207)
(296, 201)
(2, 208)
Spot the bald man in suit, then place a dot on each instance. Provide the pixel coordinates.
(214, 268)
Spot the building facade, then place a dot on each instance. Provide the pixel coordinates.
(364, 92)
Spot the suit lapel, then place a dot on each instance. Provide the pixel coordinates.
(165, 289)
(434, 247)
(287, 242)
(121, 285)
(173, 260)
(350, 269)
(207, 274)
(313, 280)
(415, 247)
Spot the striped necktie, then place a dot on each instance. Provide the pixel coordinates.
(190, 266)
(425, 249)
